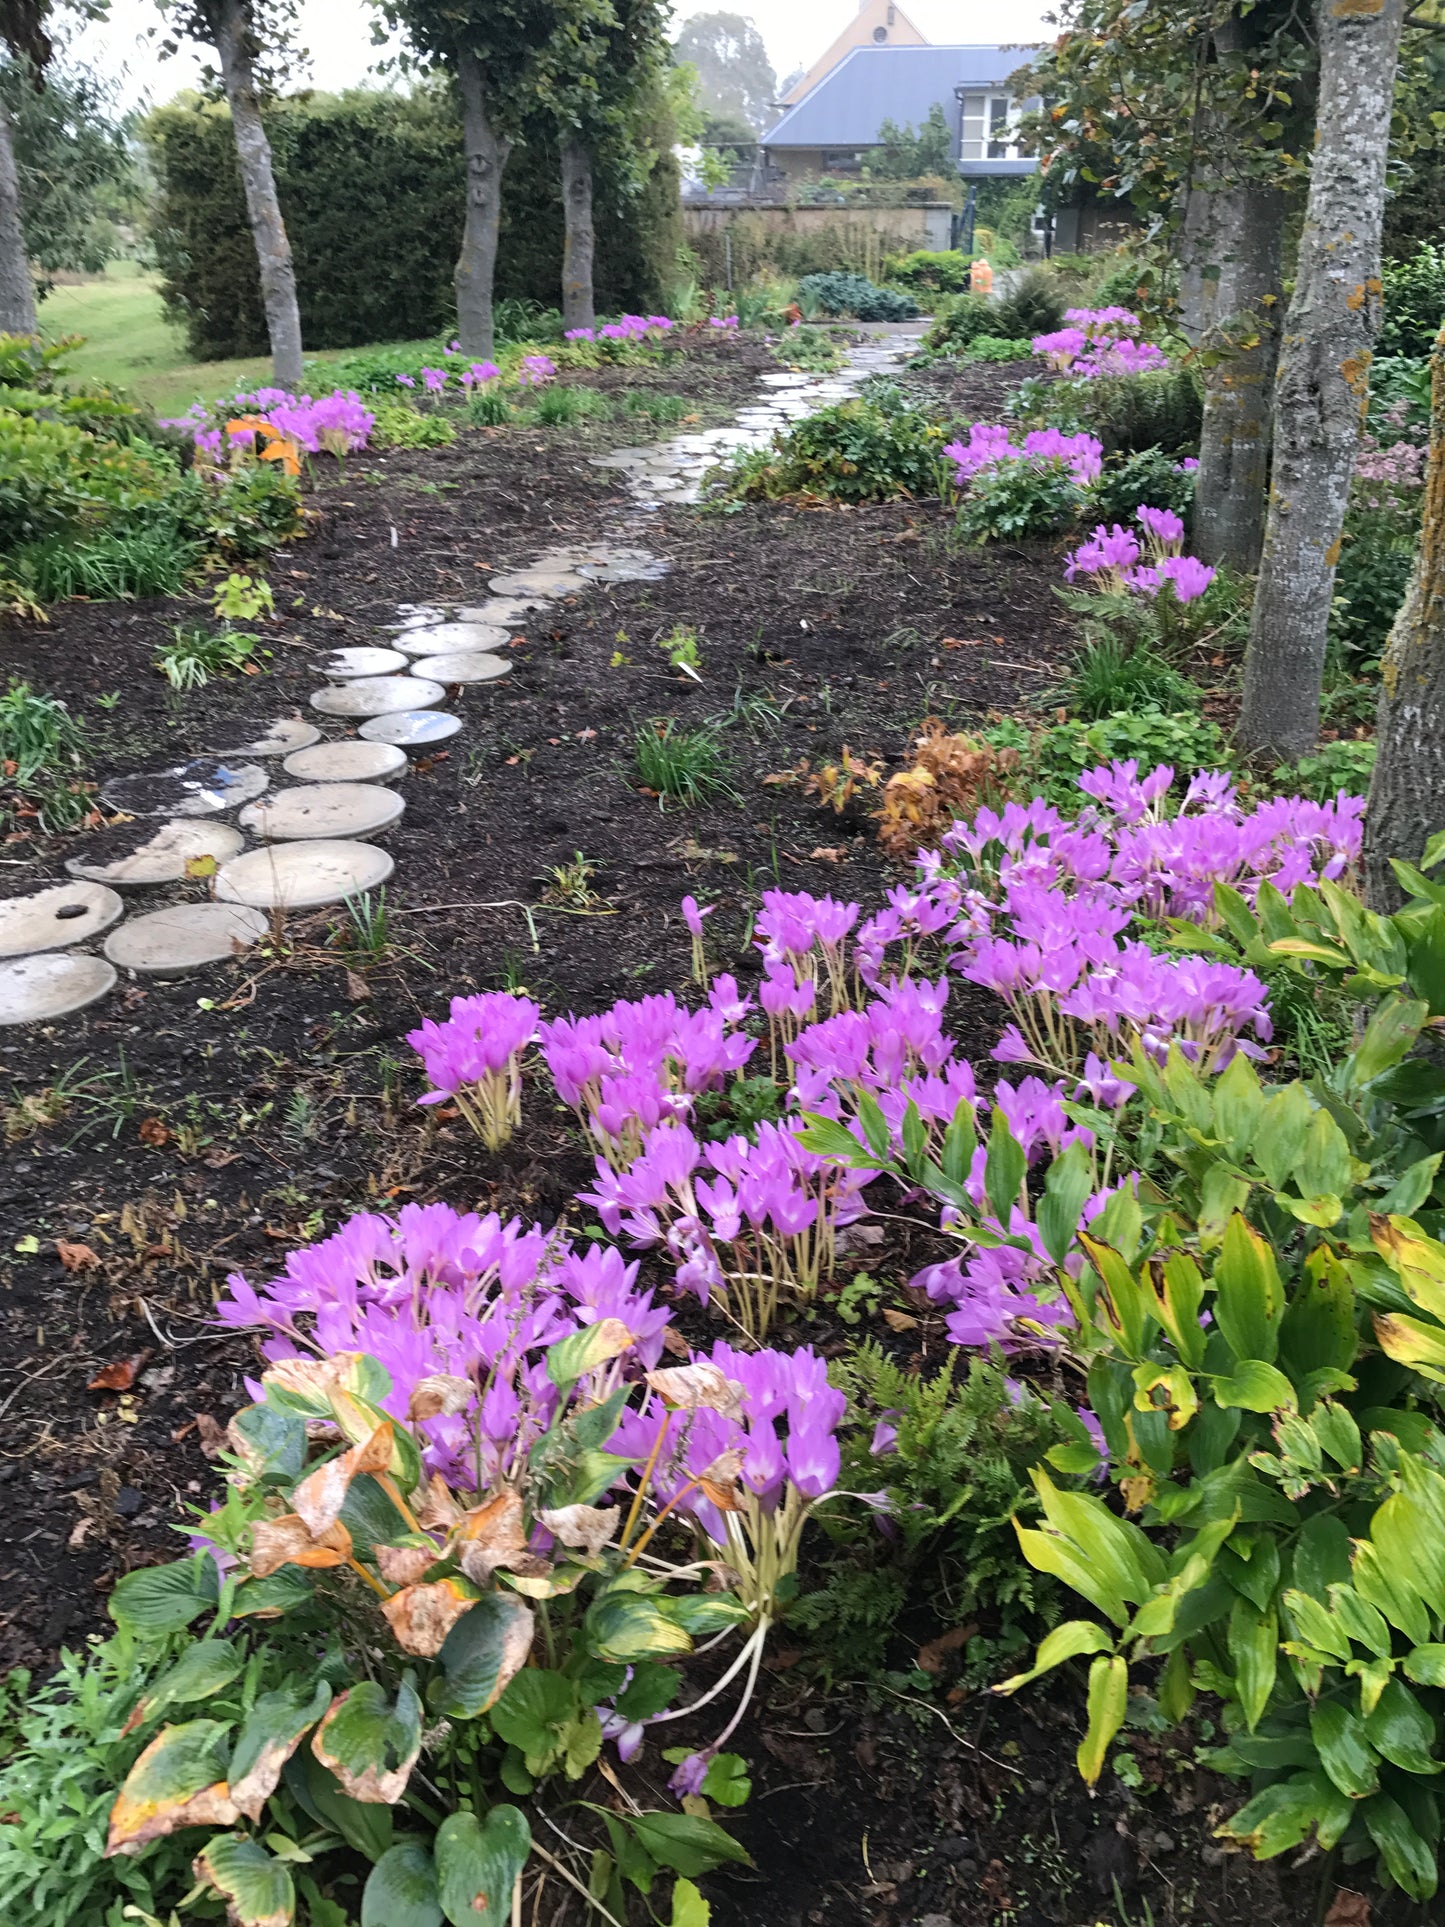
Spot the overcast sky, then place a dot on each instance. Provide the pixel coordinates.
(337, 34)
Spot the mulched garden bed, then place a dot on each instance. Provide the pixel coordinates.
(211, 1124)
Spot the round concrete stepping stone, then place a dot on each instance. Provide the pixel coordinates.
(411, 728)
(350, 762)
(302, 876)
(183, 937)
(616, 571)
(345, 665)
(377, 696)
(35, 989)
(53, 919)
(462, 665)
(275, 739)
(544, 582)
(203, 787)
(447, 636)
(512, 611)
(131, 854)
(323, 810)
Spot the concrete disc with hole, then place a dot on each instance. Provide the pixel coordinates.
(323, 810)
(184, 937)
(302, 876)
(34, 990)
(411, 728)
(536, 582)
(463, 665)
(345, 665)
(203, 787)
(377, 696)
(349, 762)
(276, 739)
(453, 635)
(133, 854)
(54, 919)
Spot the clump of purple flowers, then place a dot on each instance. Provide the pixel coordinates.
(1099, 341)
(1112, 557)
(475, 1057)
(990, 443)
(536, 371)
(336, 424)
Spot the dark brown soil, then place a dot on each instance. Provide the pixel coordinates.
(212, 1124)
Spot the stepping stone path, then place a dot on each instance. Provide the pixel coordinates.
(323, 810)
(314, 854)
(183, 937)
(131, 855)
(352, 762)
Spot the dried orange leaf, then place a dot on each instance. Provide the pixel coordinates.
(122, 1375)
(422, 1616)
(700, 1387)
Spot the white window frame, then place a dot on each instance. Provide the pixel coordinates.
(987, 113)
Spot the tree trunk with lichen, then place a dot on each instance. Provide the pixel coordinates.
(230, 25)
(1407, 793)
(579, 241)
(486, 153)
(1323, 387)
(17, 290)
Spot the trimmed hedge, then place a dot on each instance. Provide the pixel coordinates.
(371, 187)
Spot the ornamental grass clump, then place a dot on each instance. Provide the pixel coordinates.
(473, 1059)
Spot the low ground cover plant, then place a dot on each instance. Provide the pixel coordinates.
(862, 450)
(853, 294)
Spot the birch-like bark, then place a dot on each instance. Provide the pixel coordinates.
(1323, 388)
(579, 244)
(230, 26)
(1240, 343)
(17, 290)
(486, 152)
(1407, 793)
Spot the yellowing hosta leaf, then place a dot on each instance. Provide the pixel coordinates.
(257, 1889)
(585, 1350)
(1068, 1641)
(274, 1729)
(370, 1743)
(1412, 1342)
(178, 1781)
(422, 1616)
(1108, 1701)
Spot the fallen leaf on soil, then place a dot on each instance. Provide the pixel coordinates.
(133, 997)
(586, 735)
(930, 1657)
(1348, 1909)
(120, 1376)
(213, 1434)
(152, 1131)
(899, 1321)
(218, 1159)
(357, 988)
(829, 853)
(77, 1534)
(674, 1342)
(76, 1257)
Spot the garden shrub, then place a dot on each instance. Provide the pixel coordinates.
(809, 349)
(1052, 760)
(1110, 674)
(1345, 764)
(1414, 302)
(942, 271)
(1150, 476)
(839, 293)
(1032, 306)
(996, 348)
(1160, 409)
(854, 451)
(957, 323)
(398, 425)
(1016, 501)
(1373, 573)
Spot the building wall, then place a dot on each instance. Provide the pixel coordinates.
(862, 30)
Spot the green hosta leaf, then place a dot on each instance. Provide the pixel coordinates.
(1337, 1432)
(278, 1592)
(1401, 1731)
(1374, 1676)
(1004, 1168)
(1238, 1106)
(703, 1613)
(1069, 1641)
(487, 1647)
(581, 1743)
(1318, 1330)
(203, 1669)
(1425, 943)
(401, 1889)
(1066, 1189)
(1280, 1817)
(370, 1741)
(727, 1780)
(1408, 1533)
(1380, 1579)
(1426, 1665)
(1182, 1299)
(1413, 1186)
(273, 1730)
(178, 1781)
(1410, 1341)
(272, 1441)
(478, 1863)
(1255, 1387)
(1254, 1649)
(1321, 1211)
(689, 1909)
(365, 1827)
(1409, 1858)
(532, 1712)
(686, 1842)
(1315, 1625)
(586, 1349)
(1323, 1168)
(1280, 1137)
(1248, 1295)
(651, 1688)
(1321, 1556)
(257, 1889)
(1107, 1703)
(164, 1599)
(1131, 1558)
(1361, 1620)
(626, 1626)
(1345, 1752)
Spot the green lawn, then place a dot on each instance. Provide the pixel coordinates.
(130, 342)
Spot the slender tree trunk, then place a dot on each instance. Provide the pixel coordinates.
(231, 26)
(486, 152)
(1324, 375)
(1407, 795)
(17, 290)
(579, 245)
(1240, 340)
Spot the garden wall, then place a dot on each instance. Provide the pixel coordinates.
(807, 240)
(371, 187)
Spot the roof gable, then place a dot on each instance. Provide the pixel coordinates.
(901, 84)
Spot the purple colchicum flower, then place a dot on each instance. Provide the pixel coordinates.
(989, 444)
(479, 373)
(536, 371)
(692, 916)
(435, 379)
(334, 424)
(1099, 341)
(474, 1058)
(580, 334)
(407, 381)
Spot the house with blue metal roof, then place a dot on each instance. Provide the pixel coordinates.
(831, 129)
